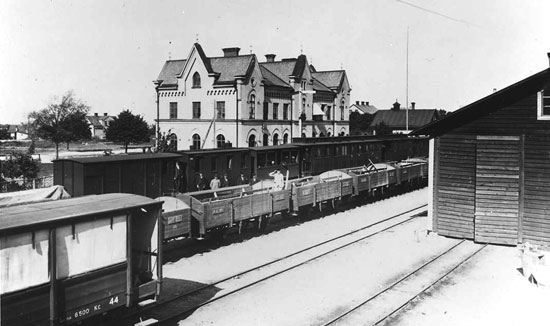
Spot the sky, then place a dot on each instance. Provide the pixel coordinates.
(110, 51)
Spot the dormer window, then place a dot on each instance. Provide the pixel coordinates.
(543, 104)
(196, 80)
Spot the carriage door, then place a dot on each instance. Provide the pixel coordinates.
(497, 189)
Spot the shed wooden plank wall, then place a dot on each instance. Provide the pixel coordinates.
(536, 213)
(497, 189)
(456, 186)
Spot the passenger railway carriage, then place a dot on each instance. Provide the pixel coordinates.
(491, 164)
(65, 261)
(154, 175)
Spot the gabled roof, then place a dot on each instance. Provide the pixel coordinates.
(96, 121)
(282, 69)
(170, 71)
(320, 87)
(488, 104)
(228, 68)
(365, 108)
(397, 119)
(333, 79)
(270, 79)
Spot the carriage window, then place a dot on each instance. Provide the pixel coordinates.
(286, 156)
(244, 159)
(271, 158)
(261, 160)
(344, 150)
(229, 162)
(198, 163)
(338, 150)
(74, 245)
(213, 161)
(319, 152)
(294, 156)
(24, 260)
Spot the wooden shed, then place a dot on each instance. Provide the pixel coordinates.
(490, 166)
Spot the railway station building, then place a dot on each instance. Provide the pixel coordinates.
(489, 166)
(237, 101)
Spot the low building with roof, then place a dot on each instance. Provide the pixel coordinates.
(403, 121)
(236, 100)
(363, 107)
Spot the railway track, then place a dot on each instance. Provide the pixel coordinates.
(171, 310)
(379, 308)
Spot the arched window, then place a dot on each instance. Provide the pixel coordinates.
(252, 110)
(342, 110)
(321, 135)
(285, 139)
(265, 140)
(329, 134)
(173, 142)
(313, 133)
(196, 141)
(276, 139)
(252, 141)
(303, 135)
(303, 105)
(196, 80)
(220, 141)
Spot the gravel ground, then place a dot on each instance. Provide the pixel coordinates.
(486, 291)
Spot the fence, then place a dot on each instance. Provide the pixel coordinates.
(25, 184)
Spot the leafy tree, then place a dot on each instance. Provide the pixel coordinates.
(359, 123)
(56, 121)
(78, 128)
(127, 128)
(382, 129)
(441, 114)
(19, 165)
(4, 134)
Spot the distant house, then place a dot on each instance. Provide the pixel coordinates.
(98, 124)
(363, 107)
(16, 132)
(400, 120)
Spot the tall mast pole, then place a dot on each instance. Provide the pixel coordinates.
(407, 86)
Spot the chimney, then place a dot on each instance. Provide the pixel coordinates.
(231, 52)
(270, 57)
(413, 104)
(356, 102)
(548, 54)
(104, 114)
(362, 102)
(96, 114)
(367, 103)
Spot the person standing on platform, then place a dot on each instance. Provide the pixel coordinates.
(215, 184)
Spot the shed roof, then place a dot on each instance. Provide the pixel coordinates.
(397, 119)
(53, 212)
(488, 104)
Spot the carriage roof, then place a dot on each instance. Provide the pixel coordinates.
(53, 212)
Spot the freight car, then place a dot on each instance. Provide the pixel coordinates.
(197, 213)
(71, 260)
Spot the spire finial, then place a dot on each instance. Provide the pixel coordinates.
(250, 48)
(197, 37)
(301, 49)
(169, 51)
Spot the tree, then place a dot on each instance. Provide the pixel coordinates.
(127, 128)
(382, 129)
(4, 134)
(78, 128)
(56, 122)
(359, 123)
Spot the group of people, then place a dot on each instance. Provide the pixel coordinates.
(216, 182)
